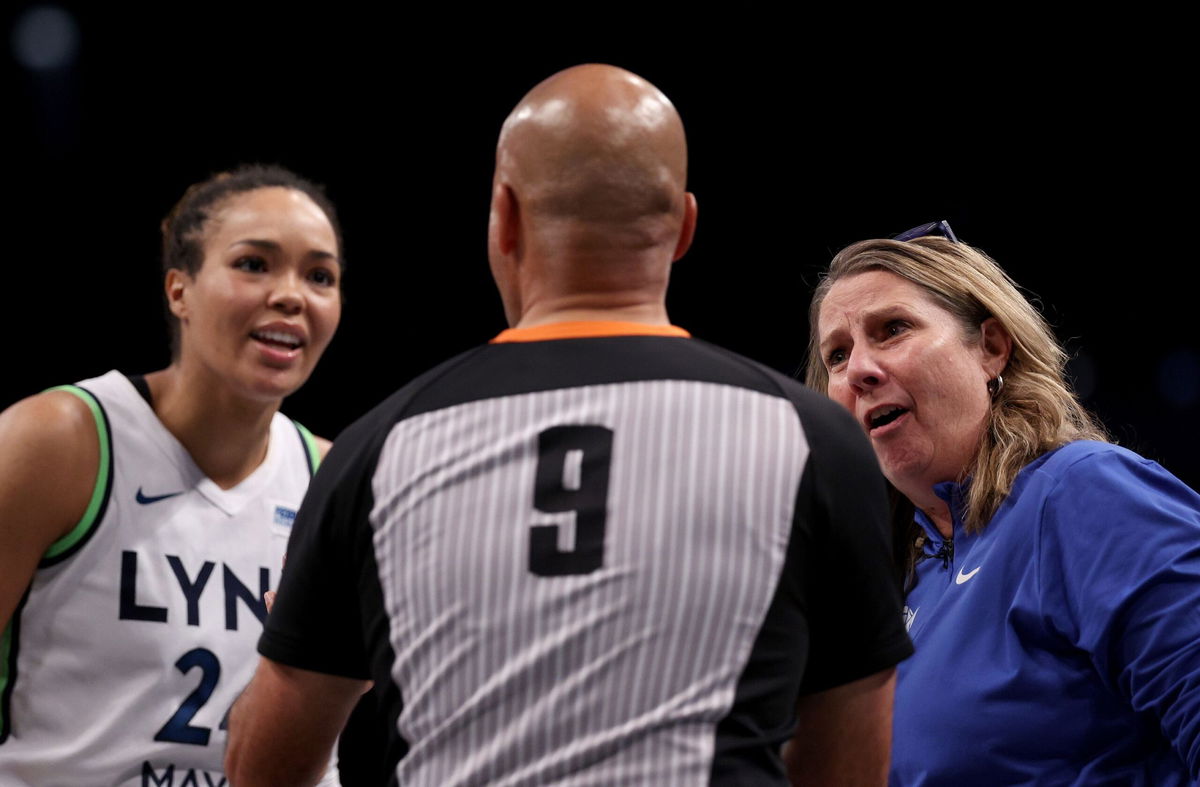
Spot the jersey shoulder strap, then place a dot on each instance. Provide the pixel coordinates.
(70, 543)
(312, 452)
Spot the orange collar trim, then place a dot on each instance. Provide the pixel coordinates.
(584, 329)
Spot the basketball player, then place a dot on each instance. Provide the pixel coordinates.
(596, 550)
(143, 518)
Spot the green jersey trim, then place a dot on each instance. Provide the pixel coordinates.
(312, 451)
(60, 550)
(70, 543)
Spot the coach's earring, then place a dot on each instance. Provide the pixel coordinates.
(995, 386)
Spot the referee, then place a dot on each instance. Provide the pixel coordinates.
(595, 550)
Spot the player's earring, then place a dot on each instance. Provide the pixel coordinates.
(995, 385)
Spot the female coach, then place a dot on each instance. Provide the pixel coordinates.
(1053, 579)
(143, 518)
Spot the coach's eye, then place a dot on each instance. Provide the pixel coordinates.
(323, 277)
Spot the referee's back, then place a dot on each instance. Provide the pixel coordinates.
(595, 551)
(610, 560)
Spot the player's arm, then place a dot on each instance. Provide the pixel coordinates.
(844, 734)
(49, 455)
(283, 728)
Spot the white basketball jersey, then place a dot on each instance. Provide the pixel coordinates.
(139, 628)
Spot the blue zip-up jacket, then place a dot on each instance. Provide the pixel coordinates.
(1060, 646)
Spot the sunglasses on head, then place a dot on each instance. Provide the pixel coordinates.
(932, 228)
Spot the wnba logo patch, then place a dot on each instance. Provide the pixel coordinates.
(284, 516)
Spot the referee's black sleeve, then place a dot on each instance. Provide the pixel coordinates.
(317, 620)
(855, 605)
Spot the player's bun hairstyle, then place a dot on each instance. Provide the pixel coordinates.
(1035, 411)
(184, 227)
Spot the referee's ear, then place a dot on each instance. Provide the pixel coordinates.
(687, 230)
(505, 219)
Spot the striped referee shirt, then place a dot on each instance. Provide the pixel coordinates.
(593, 554)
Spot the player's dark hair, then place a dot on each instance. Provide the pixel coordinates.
(184, 227)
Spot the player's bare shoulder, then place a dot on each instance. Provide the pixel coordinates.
(50, 453)
(323, 446)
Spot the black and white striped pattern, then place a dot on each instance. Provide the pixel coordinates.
(634, 663)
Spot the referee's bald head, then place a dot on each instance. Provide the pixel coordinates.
(595, 142)
(590, 184)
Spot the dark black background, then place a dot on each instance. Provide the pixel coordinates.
(1061, 152)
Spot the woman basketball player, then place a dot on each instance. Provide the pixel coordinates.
(142, 519)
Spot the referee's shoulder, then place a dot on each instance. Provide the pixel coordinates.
(808, 401)
(366, 435)
(827, 426)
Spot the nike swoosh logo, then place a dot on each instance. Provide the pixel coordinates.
(961, 578)
(144, 500)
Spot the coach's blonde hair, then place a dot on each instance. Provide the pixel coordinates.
(1035, 411)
